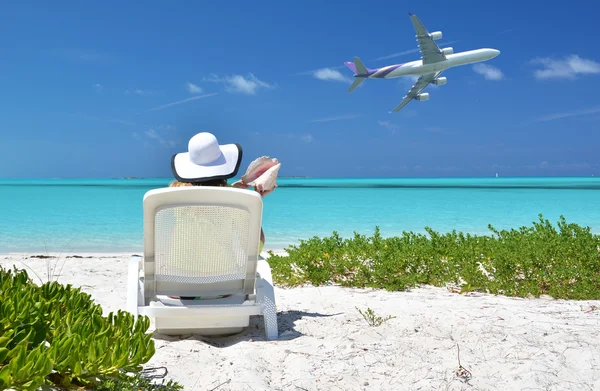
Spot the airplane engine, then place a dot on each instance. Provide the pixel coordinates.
(448, 50)
(424, 96)
(436, 35)
(440, 81)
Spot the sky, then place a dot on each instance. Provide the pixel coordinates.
(114, 88)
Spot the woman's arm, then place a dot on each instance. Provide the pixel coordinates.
(258, 188)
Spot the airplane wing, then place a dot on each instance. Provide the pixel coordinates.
(430, 51)
(420, 85)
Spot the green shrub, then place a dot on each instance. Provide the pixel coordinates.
(55, 334)
(562, 261)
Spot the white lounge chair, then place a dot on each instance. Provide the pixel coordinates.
(202, 242)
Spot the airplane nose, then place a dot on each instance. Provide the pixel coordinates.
(494, 53)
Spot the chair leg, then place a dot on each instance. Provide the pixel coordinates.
(265, 295)
(270, 317)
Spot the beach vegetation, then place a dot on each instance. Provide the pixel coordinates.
(562, 261)
(372, 318)
(136, 382)
(53, 334)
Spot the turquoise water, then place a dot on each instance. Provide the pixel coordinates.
(105, 215)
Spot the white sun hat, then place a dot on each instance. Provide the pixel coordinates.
(206, 160)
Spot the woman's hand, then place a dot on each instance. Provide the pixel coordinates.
(260, 190)
(240, 185)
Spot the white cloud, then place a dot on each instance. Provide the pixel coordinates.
(307, 138)
(243, 84)
(338, 118)
(183, 101)
(329, 74)
(574, 113)
(193, 88)
(389, 125)
(151, 133)
(567, 68)
(98, 87)
(137, 91)
(488, 72)
(311, 73)
(154, 135)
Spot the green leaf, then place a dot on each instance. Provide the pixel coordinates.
(77, 369)
(4, 340)
(24, 373)
(31, 385)
(5, 376)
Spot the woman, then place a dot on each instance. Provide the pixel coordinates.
(209, 164)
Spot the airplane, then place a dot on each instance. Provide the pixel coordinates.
(433, 62)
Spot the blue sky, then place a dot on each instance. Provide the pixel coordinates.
(112, 89)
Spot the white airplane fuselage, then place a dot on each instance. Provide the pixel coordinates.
(418, 68)
(434, 60)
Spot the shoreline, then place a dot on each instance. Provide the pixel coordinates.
(96, 254)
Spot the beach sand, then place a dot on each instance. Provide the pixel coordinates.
(325, 343)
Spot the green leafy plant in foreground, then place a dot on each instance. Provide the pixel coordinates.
(562, 261)
(56, 334)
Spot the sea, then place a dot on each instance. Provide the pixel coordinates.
(105, 215)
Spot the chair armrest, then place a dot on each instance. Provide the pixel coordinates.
(263, 269)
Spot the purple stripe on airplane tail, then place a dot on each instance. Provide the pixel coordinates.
(350, 66)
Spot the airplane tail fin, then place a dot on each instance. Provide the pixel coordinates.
(359, 69)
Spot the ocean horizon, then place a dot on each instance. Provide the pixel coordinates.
(105, 215)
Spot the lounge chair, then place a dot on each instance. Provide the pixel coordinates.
(202, 243)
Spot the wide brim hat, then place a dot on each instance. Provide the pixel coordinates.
(206, 160)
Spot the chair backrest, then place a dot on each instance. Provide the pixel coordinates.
(201, 240)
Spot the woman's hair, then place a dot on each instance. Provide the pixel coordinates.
(214, 182)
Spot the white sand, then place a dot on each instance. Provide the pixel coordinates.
(325, 344)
